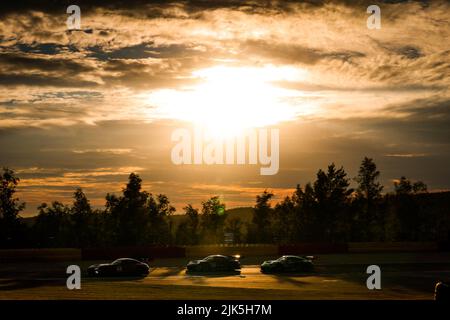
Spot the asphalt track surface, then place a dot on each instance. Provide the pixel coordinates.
(403, 276)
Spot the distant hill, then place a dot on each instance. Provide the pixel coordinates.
(244, 213)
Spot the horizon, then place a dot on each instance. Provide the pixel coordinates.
(250, 205)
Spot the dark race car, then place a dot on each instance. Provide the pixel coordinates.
(120, 267)
(288, 264)
(442, 291)
(214, 263)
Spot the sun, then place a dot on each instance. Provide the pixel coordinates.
(228, 100)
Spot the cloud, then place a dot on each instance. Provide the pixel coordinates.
(11, 62)
(118, 151)
(406, 155)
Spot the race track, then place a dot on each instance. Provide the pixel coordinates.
(336, 277)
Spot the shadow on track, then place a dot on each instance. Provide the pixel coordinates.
(26, 283)
(116, 278)
(212, 274)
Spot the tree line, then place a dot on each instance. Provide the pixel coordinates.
(326, 210)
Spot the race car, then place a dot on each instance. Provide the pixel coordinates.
(288, 264)
(214, 263)
(442, 291)
(120, 267)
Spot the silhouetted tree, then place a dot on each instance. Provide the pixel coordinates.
(368, 222)
(182, 234)
(212, 220)
(53, 227)
(331, 192)
(327, 210)
(82, 220)
(11, 228)
(368, 186)
(419, 187)
(262, 231)
(403, 186)
(284, 221)
(159, 226)
(407, 219)
(192, 224)
(305, 218)
(128, 214)
(234, 225)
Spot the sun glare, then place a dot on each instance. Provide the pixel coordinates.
(229, 100)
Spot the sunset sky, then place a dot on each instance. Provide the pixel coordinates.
(85, 108)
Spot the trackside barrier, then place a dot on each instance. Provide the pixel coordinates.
(357, 247)
(312, 248)
(56, 254)
(138, 252)
(244, 250)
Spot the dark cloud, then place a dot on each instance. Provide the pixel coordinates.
(43, 48)
(422, 122)
(435, 109)
(407, 51)
(142, 51)
(410, 52)
(344, 56)
(15, 62)
(192, 6)
(134, 7)
(387, 89)
(294, 54)
(43, 81)
(85, 95)
(284, 53)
